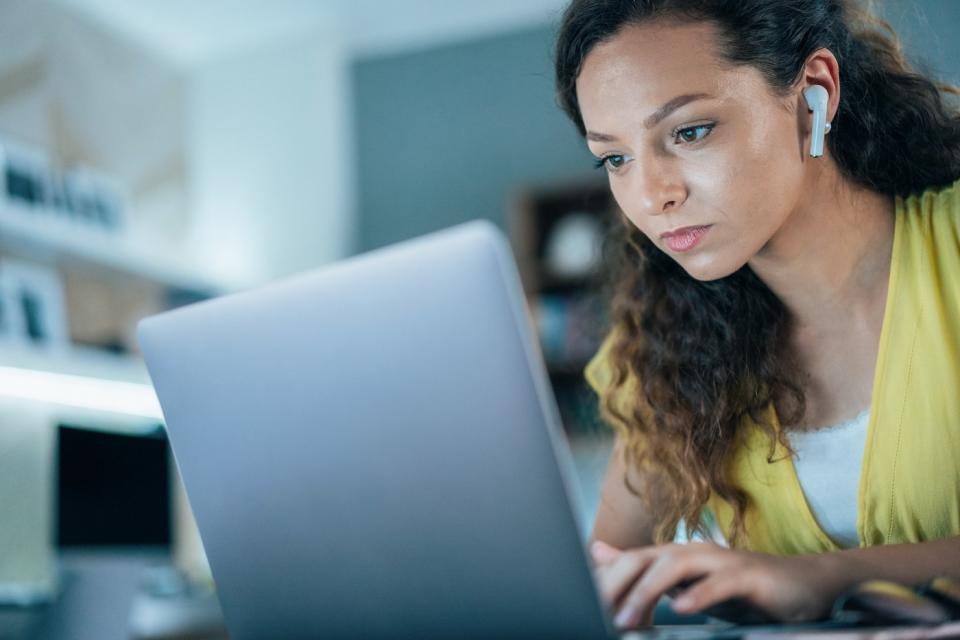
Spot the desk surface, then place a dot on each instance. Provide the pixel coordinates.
(795, 632)
(102, 599)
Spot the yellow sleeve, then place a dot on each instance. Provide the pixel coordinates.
(599, 372)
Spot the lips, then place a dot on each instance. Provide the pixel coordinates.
(685, 238)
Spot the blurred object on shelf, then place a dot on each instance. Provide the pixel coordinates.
(558, 235)
(78, 197)
(91, 198)
(550, 316)
(572, 248)
(25, 175)
(570, 328)
(32, 309)
(27, 447)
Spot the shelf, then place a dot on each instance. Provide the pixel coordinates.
(86, 362)
(553, 285)
(82, 386)
(37, 233)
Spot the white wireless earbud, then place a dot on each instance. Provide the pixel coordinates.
(816, 97)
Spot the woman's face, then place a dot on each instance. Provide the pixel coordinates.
(692, 147)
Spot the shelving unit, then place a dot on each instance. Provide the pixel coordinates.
(82, 256)
(557, 232)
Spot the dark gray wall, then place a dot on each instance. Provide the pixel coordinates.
(929, 29)
(449, 134)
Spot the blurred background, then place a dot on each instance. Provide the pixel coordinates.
(160, 152)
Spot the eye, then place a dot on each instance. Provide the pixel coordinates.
(612, 162)
(691, 135)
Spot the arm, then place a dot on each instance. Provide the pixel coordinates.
(623, 519)
(907, 564)
(789, 588)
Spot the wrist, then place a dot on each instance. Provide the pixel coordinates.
(836, 571)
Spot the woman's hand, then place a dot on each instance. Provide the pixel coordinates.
(785, 588)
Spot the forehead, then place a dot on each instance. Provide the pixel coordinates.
(643, 66)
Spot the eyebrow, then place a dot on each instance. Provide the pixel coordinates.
(653, 119)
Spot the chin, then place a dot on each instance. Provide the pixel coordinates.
(706, 267)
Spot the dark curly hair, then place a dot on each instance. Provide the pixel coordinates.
(708, 354)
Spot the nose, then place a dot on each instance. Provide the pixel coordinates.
(657, 188)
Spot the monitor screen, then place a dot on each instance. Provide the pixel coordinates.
(114, 489)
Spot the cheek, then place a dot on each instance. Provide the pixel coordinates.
(618, 189)
(773, 162)
(748, 182)
(772, 183)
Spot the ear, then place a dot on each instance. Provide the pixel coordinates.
(821, 68)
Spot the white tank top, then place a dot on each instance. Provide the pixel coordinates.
(828, 464)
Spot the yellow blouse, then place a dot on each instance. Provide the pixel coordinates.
(910, 479)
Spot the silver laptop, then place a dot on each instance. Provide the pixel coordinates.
(372, 450)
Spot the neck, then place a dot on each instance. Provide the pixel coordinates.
(830, 260)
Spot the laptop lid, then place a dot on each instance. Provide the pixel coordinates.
(372, 449)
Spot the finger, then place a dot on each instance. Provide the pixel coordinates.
(603, 553)
(616, 578)
(639, 602)
(710, 591)
(673, 564)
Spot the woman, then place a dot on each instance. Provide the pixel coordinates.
(784, 359)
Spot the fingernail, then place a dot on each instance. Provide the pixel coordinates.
(682, 603)
(625, 617)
